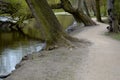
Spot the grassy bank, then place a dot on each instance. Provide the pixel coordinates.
(114, 35)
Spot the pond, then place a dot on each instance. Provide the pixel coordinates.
(14, 46)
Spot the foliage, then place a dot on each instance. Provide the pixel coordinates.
(17, 8)
(103, 7)
(117, 9)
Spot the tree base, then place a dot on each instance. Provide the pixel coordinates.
(65, 41)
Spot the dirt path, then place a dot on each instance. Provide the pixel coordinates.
(103, 61)
(100, 61)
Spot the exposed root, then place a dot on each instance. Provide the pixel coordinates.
(67, 41)
(63, 41)
(51, 47)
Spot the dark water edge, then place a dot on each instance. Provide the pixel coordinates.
(12, 57)
(13, 47)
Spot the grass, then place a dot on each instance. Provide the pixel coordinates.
(114, 35)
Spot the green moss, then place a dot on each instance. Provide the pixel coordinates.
(31, 29)
(18, 8)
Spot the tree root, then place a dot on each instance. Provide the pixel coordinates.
(63, 41)
(67, 41)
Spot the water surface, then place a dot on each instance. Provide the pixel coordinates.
(12, 48)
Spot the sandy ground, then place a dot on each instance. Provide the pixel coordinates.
(98, 61)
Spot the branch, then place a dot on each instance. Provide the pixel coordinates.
(56, 6)
(67, 6)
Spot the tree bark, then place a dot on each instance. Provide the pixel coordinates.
(52, 30)
(105, 9)
(113, 21)
(93, 7)
(86, 8)
(78, 14)
(98, 13)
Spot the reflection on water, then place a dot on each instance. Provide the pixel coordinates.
(10, 57)
(13, 49)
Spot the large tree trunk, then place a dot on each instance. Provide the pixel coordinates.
(78, 14)
(98, 13)
(52, 30)
(105, 9)
(93, 7)
(86, 8)
(113, 21)
(81, 17)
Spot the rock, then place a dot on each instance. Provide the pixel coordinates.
(4, 76)
(17, 66)
(25, 58)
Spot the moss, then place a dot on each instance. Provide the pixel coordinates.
(31, 29)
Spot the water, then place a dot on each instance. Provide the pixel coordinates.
(4, 19)
(12, 56)
(13, 46)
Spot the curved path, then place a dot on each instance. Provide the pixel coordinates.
(99, 61)
(103, 61)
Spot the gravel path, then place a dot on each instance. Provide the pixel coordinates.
(99, 61)
(103, 61)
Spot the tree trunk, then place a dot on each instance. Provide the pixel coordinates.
(46, 19)
(80, 5)
(98, 13)
(105, 9)
(93, 8)
(86, 8)
(78, 14)
(81, 17)
(113, 21)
